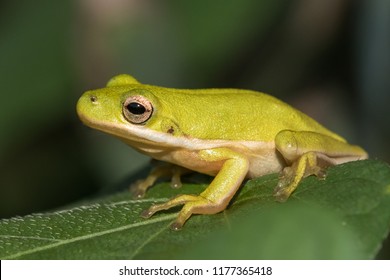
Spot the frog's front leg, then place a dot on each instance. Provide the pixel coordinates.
(309, 153)
(217, 195)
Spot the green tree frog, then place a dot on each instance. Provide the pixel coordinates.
(231, 134)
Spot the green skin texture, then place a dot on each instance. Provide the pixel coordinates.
(231, 134)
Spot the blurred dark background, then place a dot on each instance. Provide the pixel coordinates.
(328, 58)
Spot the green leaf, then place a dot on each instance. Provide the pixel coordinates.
(345, 216)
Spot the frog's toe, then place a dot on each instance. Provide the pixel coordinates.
(138, 189)
(176, 182)
(177, 172)
(137, 194)
(147, 213)
(179, 200)
(176, 226)
(281, 194)
(286, 185)
(321, 174)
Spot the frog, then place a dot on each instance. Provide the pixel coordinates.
(230, 134)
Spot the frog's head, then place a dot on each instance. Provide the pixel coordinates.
(131, 111)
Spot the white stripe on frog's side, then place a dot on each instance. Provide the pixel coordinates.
(149, 140)
(263, 157)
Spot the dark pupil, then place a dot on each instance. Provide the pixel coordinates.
(136, 108)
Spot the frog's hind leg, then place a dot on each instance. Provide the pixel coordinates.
(309, 153)
(291, 176)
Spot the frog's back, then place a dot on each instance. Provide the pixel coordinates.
(233, 114)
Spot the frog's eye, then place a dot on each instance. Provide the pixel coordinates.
(137, 109)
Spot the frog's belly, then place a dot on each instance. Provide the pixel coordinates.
(261, 161)
(265, 163)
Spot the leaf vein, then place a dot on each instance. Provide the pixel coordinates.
(92, 235)
(149, 239)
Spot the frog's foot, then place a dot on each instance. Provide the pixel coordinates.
(192, 205)
(292, 175)
(309, 154)
(139, 188)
